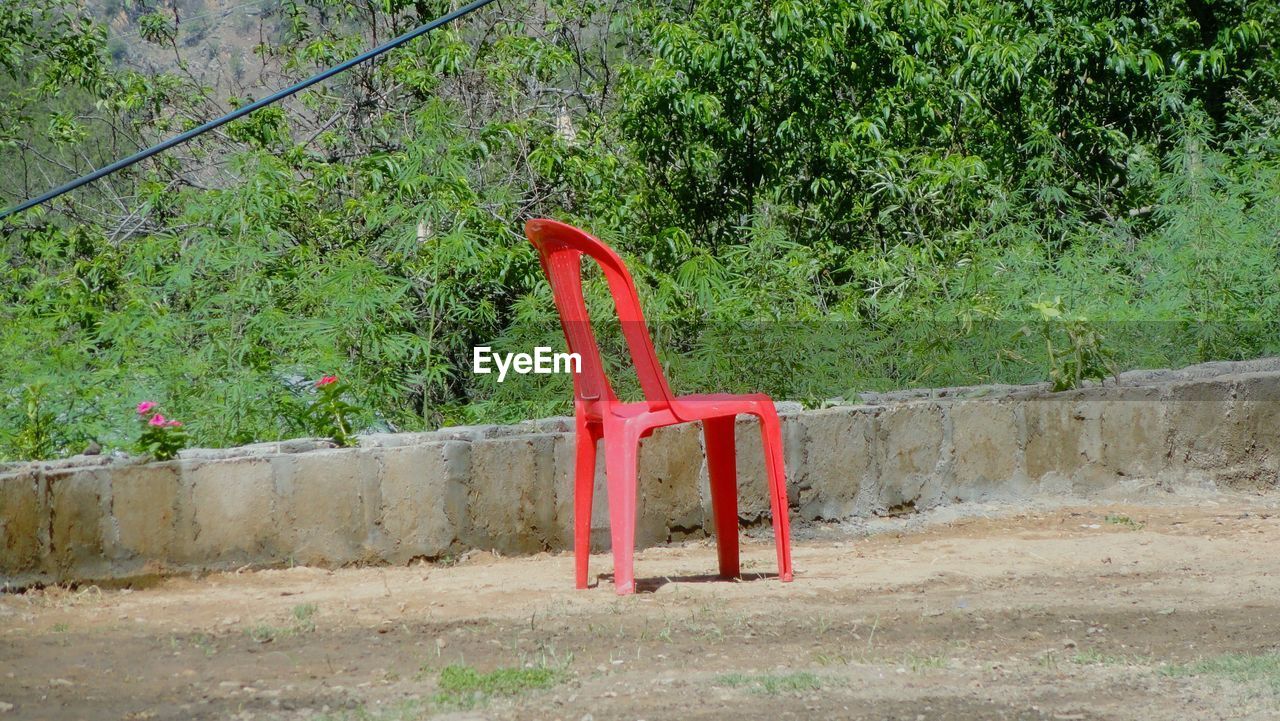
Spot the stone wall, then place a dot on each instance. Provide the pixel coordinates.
(398, 497)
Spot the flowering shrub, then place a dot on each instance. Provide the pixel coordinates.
(161, 437)
(328, 413)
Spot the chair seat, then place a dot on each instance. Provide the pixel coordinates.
(693, 407)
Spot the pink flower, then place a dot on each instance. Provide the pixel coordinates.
(157, 420)
(174, 424)
(327, 380)
(145, 407)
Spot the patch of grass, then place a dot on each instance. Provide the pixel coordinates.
(1094, 657)
(918, 664)
(1117, 519)
(205, 643)
(61, 628)
(1048, 661)
(65, 596)
(831, 659)
(302, 620)
(1259, 669)
(772, 684)
(265, 633)
(704, 624)
(410, 710)
(201, 641)
(303, 617)
(464, 687)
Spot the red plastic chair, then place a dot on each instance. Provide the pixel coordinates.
(599, 414)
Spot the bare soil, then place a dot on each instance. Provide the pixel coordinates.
(1133, 611)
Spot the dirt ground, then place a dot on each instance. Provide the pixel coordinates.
(1165, 610)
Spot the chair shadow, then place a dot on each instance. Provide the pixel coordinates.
(651, 585)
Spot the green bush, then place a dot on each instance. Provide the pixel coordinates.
(816, 199)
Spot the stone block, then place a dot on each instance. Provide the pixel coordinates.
(466, 433)
(23, 535)
(229, 512)
(753, 484)
(838, 460)
(788, 408)
(75, 463)
(1055, 438)
(563, 454)
(144, 512)
(304, 445)
(1258, 397)
(909, 442)
(79, 504)
(398, 440)
(423, 497)
(332, 504)
(565, 450)
(753, 489)
(511, 495)
(1204, 425)
(1132, 433)
(668, 501)
(985, 443)
(554, 424)
(1257, 387)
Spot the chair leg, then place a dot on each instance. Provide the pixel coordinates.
(584, 488)
(723, 472)
(621, 449)
(771, 435)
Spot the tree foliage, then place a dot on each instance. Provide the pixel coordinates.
(816, 199)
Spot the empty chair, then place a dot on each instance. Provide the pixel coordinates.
(599, 414)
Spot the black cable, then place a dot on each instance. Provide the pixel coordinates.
(241, 112)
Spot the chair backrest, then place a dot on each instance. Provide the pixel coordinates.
(560, 248)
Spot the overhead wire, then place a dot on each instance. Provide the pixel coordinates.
(245, 110)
